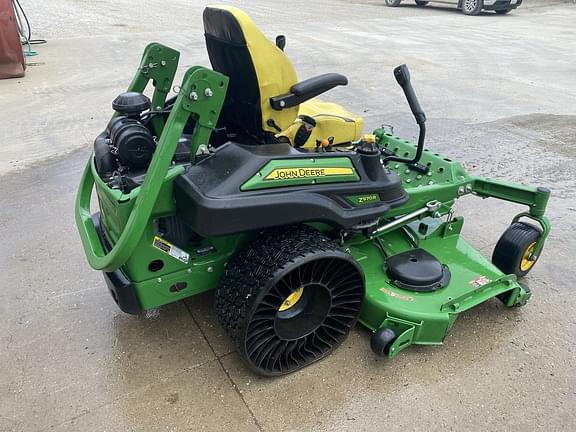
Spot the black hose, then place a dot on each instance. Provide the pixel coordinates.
(21, 19)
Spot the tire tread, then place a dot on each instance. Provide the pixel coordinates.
(512, 245)
(249, 271)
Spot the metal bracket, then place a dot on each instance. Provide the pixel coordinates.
(470, 298)
(159, 64)
(544, 223)
(535, 198)
(431, 207)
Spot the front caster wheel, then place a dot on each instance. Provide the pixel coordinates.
(382, 340)
(513, 253)
(289, 299)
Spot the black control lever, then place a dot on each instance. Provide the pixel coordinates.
(281, 42)
(402, 75)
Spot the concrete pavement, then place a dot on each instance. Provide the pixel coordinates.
(500, 94)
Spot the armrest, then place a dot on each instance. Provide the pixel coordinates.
(307, 89)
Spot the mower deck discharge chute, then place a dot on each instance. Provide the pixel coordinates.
(246, 184)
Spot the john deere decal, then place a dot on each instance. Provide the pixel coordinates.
(292, 173)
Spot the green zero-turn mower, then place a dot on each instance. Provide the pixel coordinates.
(245, 184)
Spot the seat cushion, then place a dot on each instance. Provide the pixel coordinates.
(332, 120)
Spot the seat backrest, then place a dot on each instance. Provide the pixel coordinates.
(258, 70)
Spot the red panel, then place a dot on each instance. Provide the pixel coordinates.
(12, 63)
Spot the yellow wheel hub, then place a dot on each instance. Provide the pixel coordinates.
(291, 300)
(527, 262)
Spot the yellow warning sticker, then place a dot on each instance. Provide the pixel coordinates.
(293, 173)
(168, 248)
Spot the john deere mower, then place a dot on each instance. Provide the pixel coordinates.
(245, 184)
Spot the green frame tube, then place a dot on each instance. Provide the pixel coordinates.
(201, 95)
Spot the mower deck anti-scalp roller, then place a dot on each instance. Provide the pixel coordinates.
(244, 183)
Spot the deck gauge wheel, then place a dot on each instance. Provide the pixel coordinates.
(382, 340)
(514, 252)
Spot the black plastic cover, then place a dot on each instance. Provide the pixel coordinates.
(133, 141)
(131, 103)
(417, 270)
(209, 200)
(119, 286)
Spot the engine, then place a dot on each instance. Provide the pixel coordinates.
(124, 150)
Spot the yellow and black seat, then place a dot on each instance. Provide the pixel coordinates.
(265, 101)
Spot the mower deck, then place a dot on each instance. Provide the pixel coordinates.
(424, 318)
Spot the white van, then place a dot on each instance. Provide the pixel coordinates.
(469, 7)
